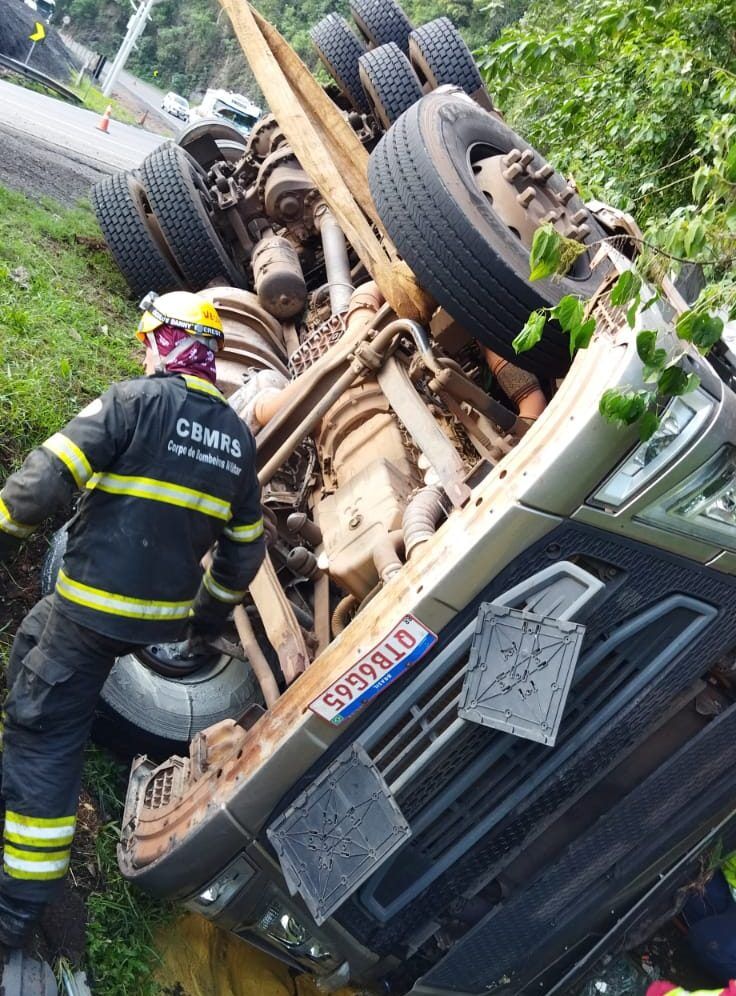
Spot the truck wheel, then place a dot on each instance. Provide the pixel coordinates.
(133, 236)
(439, 55)
(144, 710)
(461, 195)
(339, 49)
(210, 141)
(181, 201)
(389, 82)
(381, 22)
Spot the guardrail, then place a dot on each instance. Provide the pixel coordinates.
(37, 77)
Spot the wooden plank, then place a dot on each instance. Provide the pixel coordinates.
(329, 151)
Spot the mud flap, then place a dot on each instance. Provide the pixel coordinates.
(519, 672)
(338, 832)
(27, 976)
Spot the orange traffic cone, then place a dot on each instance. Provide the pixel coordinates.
(104, 124)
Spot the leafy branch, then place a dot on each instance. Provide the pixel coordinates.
(660, 368)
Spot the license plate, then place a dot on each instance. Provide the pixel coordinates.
(407, 642)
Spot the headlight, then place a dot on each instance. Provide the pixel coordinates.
(704, 504)
(218, 894)
(281, 928)
(681, 422)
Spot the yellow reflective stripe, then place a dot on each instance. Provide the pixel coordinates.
(71, 456)
(40, 821)
(38, 870)
(245, 534)
(119, 605)
(198, 384)
(34, 876)
(694, 992)
(36, 857)
(164, 491)
(10, 525)
(220, 592)
(26, 840)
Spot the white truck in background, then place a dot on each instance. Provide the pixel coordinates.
(238, 110)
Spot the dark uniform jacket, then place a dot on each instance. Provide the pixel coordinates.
(168, 468)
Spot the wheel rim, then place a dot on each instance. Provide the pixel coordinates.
(166, 659)
(522, 199)
(146, 211)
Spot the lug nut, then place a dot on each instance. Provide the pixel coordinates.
(526, 157)
(567, 194)
(512, 172)
(511, 157)
(550, 216)
(579, 232)
(579, 216)
(543, 173)
(526, 196)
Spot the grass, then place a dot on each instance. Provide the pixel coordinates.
(121, 921)
(94, 100)
(66, 332)
(91, 96)
(65, 320)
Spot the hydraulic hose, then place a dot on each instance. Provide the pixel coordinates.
(341, 615)
(421, 516)
(520, 387)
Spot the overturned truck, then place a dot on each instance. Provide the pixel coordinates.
(473, 728)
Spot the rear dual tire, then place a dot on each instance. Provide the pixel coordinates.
(389, 82)
(340, 49)
(179, 196)
(439, 56)
(132, 234)
(382, 22)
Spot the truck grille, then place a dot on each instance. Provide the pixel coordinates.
(454, 781)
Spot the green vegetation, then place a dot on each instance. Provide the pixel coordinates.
(65, 334)
(91, 96)
(65, 320)
(120, 952)
(191, 46)
(637, 101)
(95, 100)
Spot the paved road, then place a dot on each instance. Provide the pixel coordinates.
(146, 92)
(73, 129)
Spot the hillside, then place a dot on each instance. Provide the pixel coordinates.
(16, 24)
(191, 46)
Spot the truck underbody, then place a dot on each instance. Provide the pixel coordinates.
(473, 727)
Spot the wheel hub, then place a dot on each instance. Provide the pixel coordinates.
(171, 660)
(521, 196)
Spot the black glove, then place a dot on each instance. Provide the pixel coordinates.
(201, 633)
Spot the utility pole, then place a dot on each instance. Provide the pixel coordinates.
(136, 27)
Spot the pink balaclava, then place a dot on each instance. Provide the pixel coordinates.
(191, 355)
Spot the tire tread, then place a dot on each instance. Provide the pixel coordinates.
(393, 80)
(187, 228)
(446, 54)
(133, 247)
(382, 21)
(339, 48)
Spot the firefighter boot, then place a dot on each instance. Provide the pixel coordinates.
(17, 921)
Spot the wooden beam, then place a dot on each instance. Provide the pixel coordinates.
(330, 152)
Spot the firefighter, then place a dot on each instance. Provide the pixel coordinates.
(167, 469)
